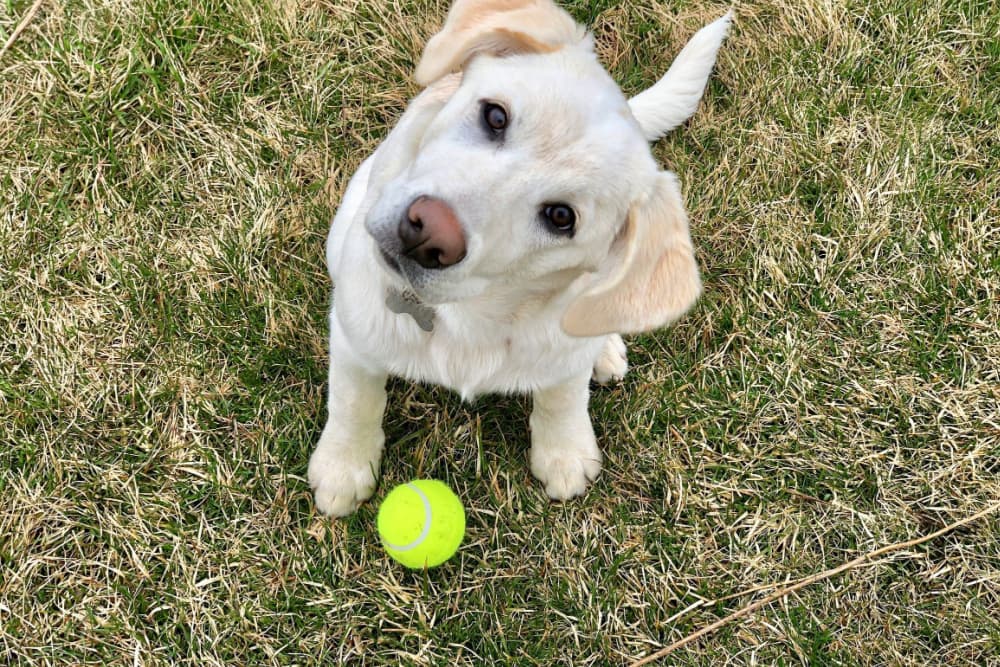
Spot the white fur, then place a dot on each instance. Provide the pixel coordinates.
(612, 364)
(497, 323)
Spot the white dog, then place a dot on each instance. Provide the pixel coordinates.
(508, 229)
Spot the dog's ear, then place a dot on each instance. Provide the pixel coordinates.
(650, 277)
(397, 150)
(496, 27)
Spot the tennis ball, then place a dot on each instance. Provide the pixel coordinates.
(421, 523)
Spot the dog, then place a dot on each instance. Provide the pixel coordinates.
(508, 230)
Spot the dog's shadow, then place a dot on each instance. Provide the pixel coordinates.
(431, 432)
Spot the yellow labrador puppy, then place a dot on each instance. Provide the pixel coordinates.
(504, 234)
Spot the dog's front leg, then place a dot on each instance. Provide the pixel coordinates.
(564, 453)
(344, 466)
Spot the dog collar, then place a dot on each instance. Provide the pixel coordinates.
(408, 303)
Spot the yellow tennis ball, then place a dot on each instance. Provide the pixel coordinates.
(421, 523)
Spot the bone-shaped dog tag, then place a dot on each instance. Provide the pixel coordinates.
(408, 303)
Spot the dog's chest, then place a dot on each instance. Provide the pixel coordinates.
(475, 357)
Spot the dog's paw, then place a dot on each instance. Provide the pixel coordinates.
(612, 363)
(342, 476)
(566, 470)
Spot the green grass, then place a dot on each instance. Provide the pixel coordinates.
(168, 171)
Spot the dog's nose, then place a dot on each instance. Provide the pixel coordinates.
(431, 234)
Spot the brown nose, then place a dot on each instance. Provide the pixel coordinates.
(431, 234)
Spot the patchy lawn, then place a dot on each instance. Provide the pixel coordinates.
(168, 171)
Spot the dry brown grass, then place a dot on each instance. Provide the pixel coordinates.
(167, 173)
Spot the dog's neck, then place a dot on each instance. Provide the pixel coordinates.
(501, 305)
(508, 305)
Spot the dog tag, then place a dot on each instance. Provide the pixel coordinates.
(408, 303)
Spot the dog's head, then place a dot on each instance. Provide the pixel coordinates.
(528, 172)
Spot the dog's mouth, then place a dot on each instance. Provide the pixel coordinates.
(390, 261)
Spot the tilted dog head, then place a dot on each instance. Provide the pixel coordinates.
(528, 171)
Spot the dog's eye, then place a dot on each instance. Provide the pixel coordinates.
(494, 118)
(560, 217)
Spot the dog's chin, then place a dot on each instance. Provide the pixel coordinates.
(405, 276)
(431, 286)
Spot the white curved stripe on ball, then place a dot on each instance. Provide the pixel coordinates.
(427, 523)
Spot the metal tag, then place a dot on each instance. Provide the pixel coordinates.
(408, 303)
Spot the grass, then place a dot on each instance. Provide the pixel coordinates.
(167, 174)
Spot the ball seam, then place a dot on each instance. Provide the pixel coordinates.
(427, 523)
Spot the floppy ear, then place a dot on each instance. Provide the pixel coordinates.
(497, 27)
(397, 150)
(651, 277)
